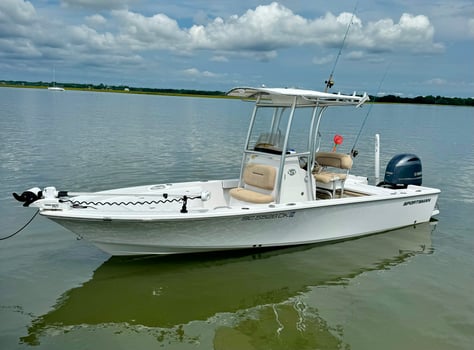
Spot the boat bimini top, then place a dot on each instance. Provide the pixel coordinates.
(302, 98)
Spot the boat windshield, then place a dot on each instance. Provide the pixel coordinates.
(271, 125)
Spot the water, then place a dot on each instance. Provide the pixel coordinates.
(410, 288)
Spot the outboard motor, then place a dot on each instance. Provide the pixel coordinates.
(402, 170)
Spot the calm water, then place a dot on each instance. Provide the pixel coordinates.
(406, 289)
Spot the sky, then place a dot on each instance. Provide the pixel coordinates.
(401, 47)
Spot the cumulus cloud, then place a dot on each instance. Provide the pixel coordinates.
(196, 73)
(356, 55)
(414, 33)
(258, 32)
(96, 20)
(268, 28)
(118, 33)
(220, 58)
(145, 33)
(323, 60)
(436, 81)
(18, 28)
(16, 11)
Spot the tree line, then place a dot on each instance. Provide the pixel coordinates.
(434, 100)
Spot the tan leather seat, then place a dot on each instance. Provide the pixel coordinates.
(259, 182)
(325, 160)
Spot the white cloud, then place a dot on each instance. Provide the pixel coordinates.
(18, 18)
(96, 20)
(414, 33)
(382, 93)
(258, 33)
(323, 60)
(220, 58)
(16, 11)
(195, 73)
(264, 29)
(148, 33)
(355, 55)
(88, 39)
(436, 81)
(19, 48)
(261, 32)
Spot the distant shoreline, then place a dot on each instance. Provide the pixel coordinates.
(137, 91)
(432, 100)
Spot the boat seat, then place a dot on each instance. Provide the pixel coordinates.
(259, 182)
(334, 180)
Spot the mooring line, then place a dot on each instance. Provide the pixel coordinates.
(21, 229)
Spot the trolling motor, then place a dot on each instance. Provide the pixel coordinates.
(35, 193)
(29, 196)
(50, 197)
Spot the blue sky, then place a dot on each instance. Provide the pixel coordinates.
(424, 47)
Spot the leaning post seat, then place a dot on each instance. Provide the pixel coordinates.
(258, 182)
(326, 160)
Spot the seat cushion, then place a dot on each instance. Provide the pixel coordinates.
(245, 195)
(327, 177)
(335, 160)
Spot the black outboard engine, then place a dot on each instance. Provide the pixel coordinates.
(402, 170)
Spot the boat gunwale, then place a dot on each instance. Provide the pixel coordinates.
(240, 211)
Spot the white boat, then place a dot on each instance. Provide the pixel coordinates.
(288, 193)
(55, 88)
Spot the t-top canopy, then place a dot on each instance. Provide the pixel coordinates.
(304, 98)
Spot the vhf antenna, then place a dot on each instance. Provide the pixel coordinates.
(330, 82)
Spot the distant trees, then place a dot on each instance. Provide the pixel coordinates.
(433, 100)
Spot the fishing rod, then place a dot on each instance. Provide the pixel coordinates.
(330, 82)
(353, 151)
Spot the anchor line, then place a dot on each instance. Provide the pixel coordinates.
(21, 229)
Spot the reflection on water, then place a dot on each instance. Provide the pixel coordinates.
(250, 300)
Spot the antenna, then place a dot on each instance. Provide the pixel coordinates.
(330, 82)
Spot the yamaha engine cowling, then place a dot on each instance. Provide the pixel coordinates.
(403, 170)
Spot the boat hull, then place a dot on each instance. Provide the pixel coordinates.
(242, 228)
